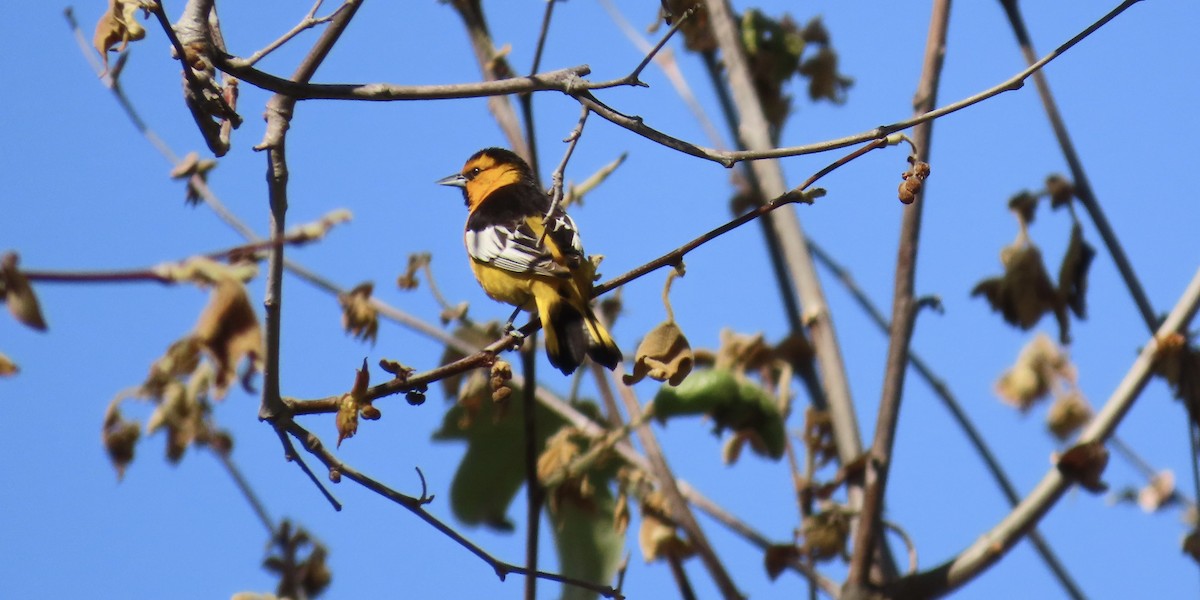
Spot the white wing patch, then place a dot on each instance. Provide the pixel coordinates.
(516, 248)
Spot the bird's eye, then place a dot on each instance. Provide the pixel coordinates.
(472, 173)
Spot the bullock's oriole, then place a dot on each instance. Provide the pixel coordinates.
(517, 263)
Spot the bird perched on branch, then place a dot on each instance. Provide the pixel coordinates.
(529, 265)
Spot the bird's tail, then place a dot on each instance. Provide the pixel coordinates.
(564, 324)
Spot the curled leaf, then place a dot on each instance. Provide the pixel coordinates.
(1068, 414)
(1084, 464)
(416, 261)
(118, 26)
(778, 557)
(16, 292)
(120, 438)
(1024, 205)
(1038, 366)
(360, 318)
(317, 229)
(7, 367)
(657, 537)
(663, 355)
(228, 330)
(1179, 363)
(1072, 275)
(824, 80)
(195, 171)
(1024, 293)
(1061, 190)
(825, 534)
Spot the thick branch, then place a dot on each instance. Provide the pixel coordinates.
(992, 546)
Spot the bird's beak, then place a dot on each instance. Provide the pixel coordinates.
(456, 180)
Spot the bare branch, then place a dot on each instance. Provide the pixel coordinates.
(994, 544)
(904, 314)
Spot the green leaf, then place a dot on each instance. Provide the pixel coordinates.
(589, 546)
(701, 393)
(493, 469)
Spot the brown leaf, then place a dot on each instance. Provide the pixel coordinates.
(316, 230)
(416, 261)
(824, 80)
(120, 438)
(1084, 464)
(1061, 190)
(1068, 414)
(1024, 205)
(181, 414)
(1179, 363)
(7, 367)
(1191, 545)
(778, 557)
(16, 292)
(119, 25)
(663, 355)
(657, 537)
(1030, 379)
(360, 318)
(825, 534)
(1072, 275)
(1024, 293)
(228, 329)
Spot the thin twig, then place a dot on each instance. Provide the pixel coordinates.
(256, 504)
(416, 506)
(309, 21)
(680, 511)
(556, 179)
(533, 488)
(904, 314)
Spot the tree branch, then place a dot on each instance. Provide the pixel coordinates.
(994, 544)
(904, 314)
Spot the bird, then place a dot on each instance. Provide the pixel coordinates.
(520, 261)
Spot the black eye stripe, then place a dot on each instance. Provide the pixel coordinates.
(471, 174)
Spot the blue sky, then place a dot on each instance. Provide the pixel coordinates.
(83, 191)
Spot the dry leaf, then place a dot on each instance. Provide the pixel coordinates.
(317, 229)
(16, 292)
(1024, 293)
(228, 329)
(1038, 366)
(825, 534)
(7, 367)
(824, 80)
(663, 355)
(1024, 205)
(118, 26)
(1061, 190)
(1084, 464)
(1159, 492)
(360, 318)
(1068, 414)
(1179, 363)
(1072, 275)
(657, 537)
(778, 557)
(120, 438)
